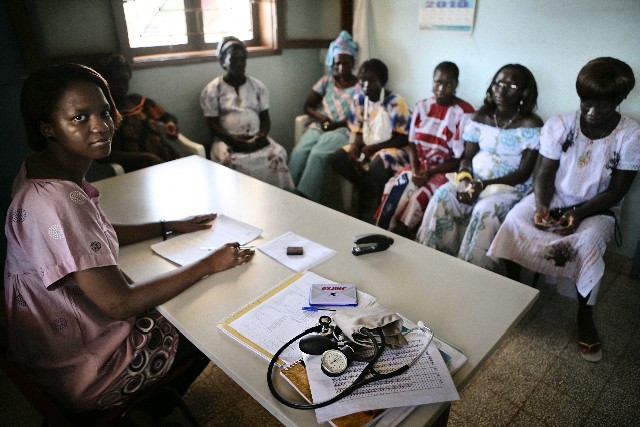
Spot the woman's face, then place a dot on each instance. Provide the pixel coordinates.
(507, 88)
(235, 61)
(342, 65)
(597, 112)
(370, 83)
(119, 85)
(444, 87)
(81, 122)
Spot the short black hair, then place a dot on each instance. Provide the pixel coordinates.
(41, 93)
(605, 78)
(449, 68)
(378, 68)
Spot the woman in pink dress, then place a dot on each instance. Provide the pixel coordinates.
(76, 328)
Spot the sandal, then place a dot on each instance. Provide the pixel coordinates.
(590, 352)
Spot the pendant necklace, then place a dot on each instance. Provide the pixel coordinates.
(506, 125)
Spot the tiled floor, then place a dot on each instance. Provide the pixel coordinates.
(536, 378)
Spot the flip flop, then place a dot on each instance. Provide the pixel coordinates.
(590, 352)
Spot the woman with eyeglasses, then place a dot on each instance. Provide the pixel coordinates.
(501, 148)
(327, 105)
(588, 160)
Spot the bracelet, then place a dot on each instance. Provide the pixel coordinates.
(462, 175)
(163, 230)
(481, 184)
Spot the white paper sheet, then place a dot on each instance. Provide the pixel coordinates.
(314, 253)
(428, 381)
(189, 247)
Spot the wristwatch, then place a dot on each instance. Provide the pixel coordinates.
(326, 124)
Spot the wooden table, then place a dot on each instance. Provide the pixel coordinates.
(470, 307)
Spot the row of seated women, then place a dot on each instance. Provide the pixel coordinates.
(462, 181)
(91, 341)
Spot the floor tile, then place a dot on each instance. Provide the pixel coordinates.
(555, 408)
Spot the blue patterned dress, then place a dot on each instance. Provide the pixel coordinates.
(466, 231)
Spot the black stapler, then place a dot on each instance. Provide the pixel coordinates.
(368, 243)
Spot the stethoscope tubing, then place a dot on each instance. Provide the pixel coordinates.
(360, 381)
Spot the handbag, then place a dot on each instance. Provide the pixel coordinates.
(376, 127)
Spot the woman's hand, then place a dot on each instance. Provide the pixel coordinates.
(567, 224)
(542, 219)
(420, 178)
(369, 151)
(228, 256)
(171, 129)
(468, 191)
(192, 223)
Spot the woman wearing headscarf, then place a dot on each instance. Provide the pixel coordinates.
(328, 105)
(236, 107)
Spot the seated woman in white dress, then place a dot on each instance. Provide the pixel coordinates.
(588, 160)
(236, 107)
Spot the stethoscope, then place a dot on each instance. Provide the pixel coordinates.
(368, 375)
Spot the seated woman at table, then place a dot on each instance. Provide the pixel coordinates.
(139, 141)
(588, 160)
(379, 121)
(435, 148)
(327, 105)
(501, 148)
(76, 328)
(236, 107)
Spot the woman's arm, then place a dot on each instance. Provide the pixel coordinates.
(398, 140)
(218, 131)
(525, 168)
(620, 183)
(133, 233)
(107, 287)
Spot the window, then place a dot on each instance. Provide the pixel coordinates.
(164, 30)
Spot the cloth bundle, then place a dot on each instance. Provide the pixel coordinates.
(371, 317)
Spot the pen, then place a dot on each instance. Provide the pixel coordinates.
(316, 309)
(238, 248)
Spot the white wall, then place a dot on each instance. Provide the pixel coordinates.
(554, 39)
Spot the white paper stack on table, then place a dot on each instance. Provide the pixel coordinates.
(190, 247)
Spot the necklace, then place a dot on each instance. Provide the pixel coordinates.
(506, 125)
(606, 131)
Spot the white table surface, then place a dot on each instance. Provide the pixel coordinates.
(470, 307)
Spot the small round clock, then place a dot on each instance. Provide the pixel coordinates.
(334, 362)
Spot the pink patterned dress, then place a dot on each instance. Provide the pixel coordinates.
(62, 341)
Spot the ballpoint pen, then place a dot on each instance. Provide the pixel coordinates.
(238, 248)
(316, 309)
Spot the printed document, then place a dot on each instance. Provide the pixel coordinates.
(313, 253)
(428, 381)
(189, 247)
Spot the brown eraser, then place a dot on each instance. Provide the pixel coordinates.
(295, 250)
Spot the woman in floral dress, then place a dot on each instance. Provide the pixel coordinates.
(501, 147)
